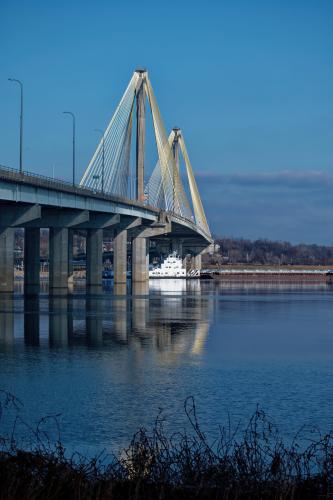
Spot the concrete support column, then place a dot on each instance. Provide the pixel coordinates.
(140, 141)
(70, 318)
(196, 261)
(94, 248)
(70, 253)
(31, 260)
(177, 246)
(120, 289)
(140, 259)
(6, 259)
(58, 249)
(120, 256)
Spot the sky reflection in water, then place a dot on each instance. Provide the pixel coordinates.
(108, 363)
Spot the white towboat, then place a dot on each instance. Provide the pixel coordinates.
(172, 267)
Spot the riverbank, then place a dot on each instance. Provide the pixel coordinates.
(270, 274)
(157, 465)
(241, 273)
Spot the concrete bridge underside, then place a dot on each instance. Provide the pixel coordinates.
(32, 202)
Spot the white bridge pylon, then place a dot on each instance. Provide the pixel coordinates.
(109, 168)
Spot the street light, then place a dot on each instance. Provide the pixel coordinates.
(103, 154)
(21, 122)
(73, 117)
(96, 178)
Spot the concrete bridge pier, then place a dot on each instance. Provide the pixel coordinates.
(94, 259)
(120, 289)
(31, 260)
(120, 256)
(177, 246)
(58, 255)
(196, 261)
(185, 260)
(140, 259)
(70, 318)
(70, 253)
(140, 248)
(140, 287)
(6, 259)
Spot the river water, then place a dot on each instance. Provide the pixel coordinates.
(106, 364)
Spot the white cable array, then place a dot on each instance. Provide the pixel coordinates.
(199, 213)
(117, 142)
(154, 187)
(174, 198)
(164, 189)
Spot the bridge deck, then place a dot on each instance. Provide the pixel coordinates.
(32, 188)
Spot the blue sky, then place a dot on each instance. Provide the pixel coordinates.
(249, 82)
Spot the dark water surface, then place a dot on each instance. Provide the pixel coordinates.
(108, 363)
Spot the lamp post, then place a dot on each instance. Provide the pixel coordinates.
(21, 122)
(103, 154)
(73, 117)
(96, 178)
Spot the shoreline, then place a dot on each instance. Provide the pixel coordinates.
(270, 277)
(243, 274)
(270, 274)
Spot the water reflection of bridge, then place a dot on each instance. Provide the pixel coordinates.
(169, 324)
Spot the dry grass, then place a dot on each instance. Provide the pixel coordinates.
(254, 465)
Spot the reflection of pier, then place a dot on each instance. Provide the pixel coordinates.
(6, 320)
(60, 321)
(31, 319)
(94, 320)
(169, 324)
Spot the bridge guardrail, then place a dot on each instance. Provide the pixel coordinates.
(9, 173)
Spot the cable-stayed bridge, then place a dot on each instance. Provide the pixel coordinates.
(164, 207)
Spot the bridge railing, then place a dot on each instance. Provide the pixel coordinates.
(15, 174)
(12, 174)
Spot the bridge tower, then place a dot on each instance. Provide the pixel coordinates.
(140, 245)
(175, 150)
(176, 244)
(140, 133)
(164, 191)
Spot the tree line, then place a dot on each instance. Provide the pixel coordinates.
(263, 251)
(230, 250)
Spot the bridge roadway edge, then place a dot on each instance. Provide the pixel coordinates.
(32, 202)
